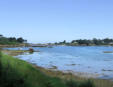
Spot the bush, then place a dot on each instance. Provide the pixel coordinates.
(72, 83)
(0, 64)
(87, 83)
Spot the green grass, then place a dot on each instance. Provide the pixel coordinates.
(18, 73)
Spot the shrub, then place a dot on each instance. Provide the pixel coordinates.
(72, 83)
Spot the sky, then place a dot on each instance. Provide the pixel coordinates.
(44, 21)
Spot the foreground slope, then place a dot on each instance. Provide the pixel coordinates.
(18, 73)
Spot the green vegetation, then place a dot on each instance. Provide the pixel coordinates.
(86, 42)
(18, 73)
(11, 40)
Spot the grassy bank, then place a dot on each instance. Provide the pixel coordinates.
(18, 73)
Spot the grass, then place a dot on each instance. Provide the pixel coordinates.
(18, 73)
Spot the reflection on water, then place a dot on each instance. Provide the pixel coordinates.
(86, 59)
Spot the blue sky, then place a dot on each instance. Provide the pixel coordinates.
(42, 21)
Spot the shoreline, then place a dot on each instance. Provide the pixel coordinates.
(27, 45)
(74, 74)
(54, 68)
(68, 75)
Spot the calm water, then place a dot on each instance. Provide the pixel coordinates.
(83, 59)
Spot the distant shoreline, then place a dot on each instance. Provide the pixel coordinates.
(83, 45)
(27, 45)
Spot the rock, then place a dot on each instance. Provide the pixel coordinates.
(53, 67)
(31, 50)
(107, 70)
(108, 52)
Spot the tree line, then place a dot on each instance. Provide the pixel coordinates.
(94, 41)
(11, 40)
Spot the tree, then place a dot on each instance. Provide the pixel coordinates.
(64, 41)
(20, 40)
(12, 39)
(25, 41)
(73, 41)
(1, 35)
(107, 40)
